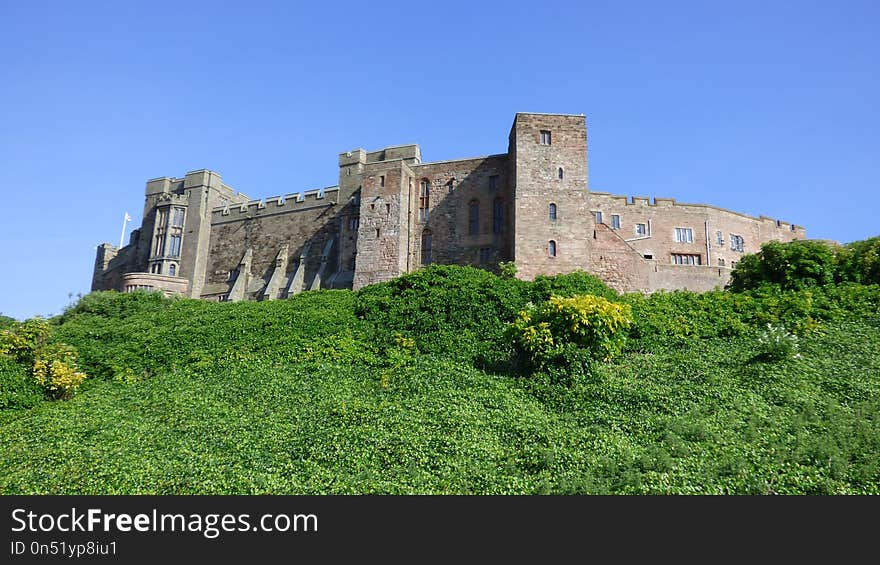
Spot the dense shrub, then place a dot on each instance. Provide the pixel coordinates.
(570, 284)
(551, 332)
(859, 262)
(118, 305)
(792, 266)
(458, 311)
(17, 388)
(6, 321)
(777, 344)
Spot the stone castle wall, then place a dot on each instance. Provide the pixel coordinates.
(531, 205)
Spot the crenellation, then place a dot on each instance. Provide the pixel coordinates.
(391, 213)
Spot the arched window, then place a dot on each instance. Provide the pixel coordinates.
(424, 199)
(552, 212)
(473, 217)
(427, 247)
(560, 173)
(172, 270)
(551, 248)
(498, 215)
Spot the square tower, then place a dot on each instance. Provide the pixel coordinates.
(548, 154)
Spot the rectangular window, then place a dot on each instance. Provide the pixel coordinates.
(485, 254)
(382, 180)
(175, 246)
(427, 248)
(493, 182)
(473, 218)
(424, 199)
(684, 235)
(177, 218)
(598, 216)
(162, 220)
(545, 137)
(498, 216)
(615, 221)
(641, 229)
(719, 238)
(353, 223)
(160, 245)
(737, 243)
(685, 259)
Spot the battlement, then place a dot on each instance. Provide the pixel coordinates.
(657, 202)
(409, 153)
(328, 196)
(192, 179)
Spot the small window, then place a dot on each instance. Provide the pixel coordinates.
(545, 137)
(719, 238)
(598, 216)
(473, 217)
(485, 254)
(353, 223)
(641, 229)
(685, 259)
(172, 270)
(388, 208)
(737, 243)
(498, 215)
(560, 173)
(382, 181)
(378, 233)
(427, 247)
(615, 222)
(684, 235)
(493, 182)
(721, 262)
(648, 256)
(552, 212)
(551, 248)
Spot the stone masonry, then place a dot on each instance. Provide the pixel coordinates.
(391, 214)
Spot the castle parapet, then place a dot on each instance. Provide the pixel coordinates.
(286, 202)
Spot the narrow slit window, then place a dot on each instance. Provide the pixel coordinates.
(551, 248)
(552, 212)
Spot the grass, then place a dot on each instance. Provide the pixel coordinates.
(293, 397)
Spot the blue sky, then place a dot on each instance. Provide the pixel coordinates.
(764, 107)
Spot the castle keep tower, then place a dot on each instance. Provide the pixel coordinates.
(548, 154)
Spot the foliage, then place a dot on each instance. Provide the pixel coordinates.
(570, 284)
(792, 266)
(446, 309)
(56, 371)
(18, 390)
(23, 339)
(859, 262)
(507, 269)
(376, 391)
(546, 333)
(778, 344)
(6, 321)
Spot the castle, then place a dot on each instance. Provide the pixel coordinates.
(390, 214)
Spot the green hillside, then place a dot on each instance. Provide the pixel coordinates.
(416, 386)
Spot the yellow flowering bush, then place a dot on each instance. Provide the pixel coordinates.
(55, 370)
(589, 323)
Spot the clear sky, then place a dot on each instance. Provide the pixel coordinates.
(764, 107)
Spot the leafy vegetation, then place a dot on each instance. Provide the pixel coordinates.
(418, 385)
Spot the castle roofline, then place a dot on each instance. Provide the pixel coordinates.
(548, 114)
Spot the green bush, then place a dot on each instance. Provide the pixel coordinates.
(859, 262)
(17, 388)
(447, 309)
(792, 266)
(777, 344)
(545, 334)
(570, 284)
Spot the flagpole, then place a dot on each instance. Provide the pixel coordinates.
(122, 235)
